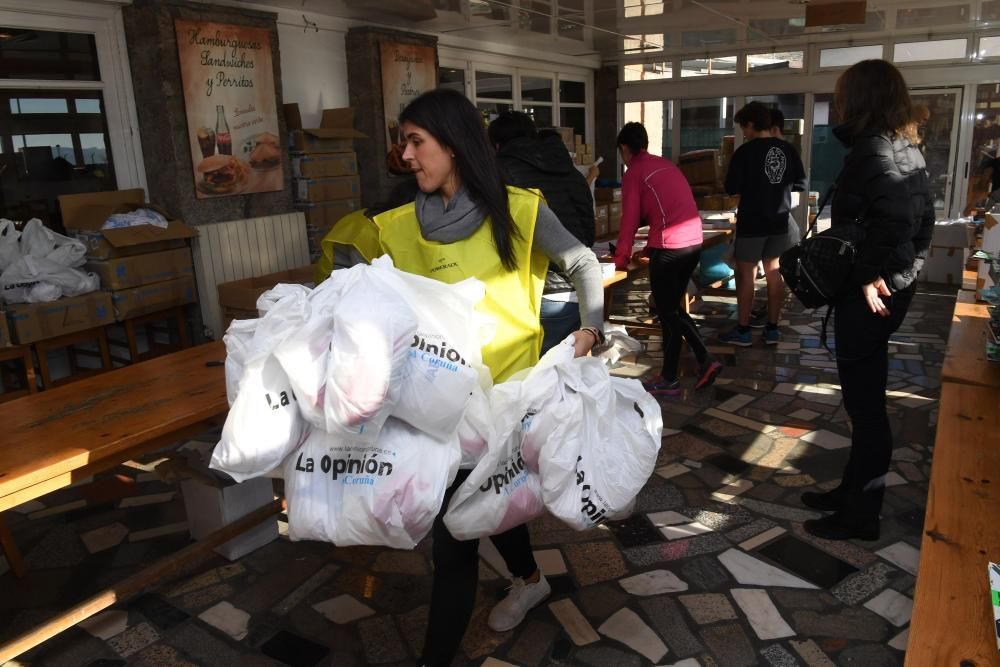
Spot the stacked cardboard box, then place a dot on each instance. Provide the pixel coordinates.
(948, 253)
(147, 268)
(32, 322)
(705, 170)
(5, 339)
(327, 186)
(609, 200)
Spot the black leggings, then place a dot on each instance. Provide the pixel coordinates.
(670, 270)
(456, 577)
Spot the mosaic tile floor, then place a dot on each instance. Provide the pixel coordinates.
(713, 569)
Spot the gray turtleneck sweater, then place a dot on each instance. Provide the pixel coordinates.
(462, 217)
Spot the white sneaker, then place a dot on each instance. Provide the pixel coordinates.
(522, 598)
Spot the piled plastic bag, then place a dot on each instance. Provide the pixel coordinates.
(37, 264)
(315, 383)
(368, 393)
(567, 437)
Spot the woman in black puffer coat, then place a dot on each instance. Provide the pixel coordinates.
(883, 185)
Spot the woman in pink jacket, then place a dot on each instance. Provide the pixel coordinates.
(655, 192)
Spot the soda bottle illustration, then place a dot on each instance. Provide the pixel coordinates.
(223, 138)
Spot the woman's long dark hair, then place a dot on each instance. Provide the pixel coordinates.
(872, 95)
(449, 117)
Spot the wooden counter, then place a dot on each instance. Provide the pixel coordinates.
(952, 622)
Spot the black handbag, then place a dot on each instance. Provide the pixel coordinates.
(818, 269)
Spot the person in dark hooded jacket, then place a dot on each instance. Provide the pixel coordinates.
(883, 186)
(528, 161)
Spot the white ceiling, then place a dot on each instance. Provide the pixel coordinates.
(689, 25)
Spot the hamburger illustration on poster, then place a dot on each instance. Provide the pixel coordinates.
(228, 77)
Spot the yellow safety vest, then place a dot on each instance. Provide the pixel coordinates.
(514, 298)
(354, 229)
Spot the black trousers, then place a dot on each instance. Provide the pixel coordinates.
(456, 577)
(862, 339)
(669, 273)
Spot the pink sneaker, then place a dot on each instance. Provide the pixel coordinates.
(708, 374)
(657, 386)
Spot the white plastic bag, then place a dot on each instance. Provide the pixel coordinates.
(37, 240)
(35, 279)
(446, 350)
(373, 327)
(284, 309)
(10, 247)
(500, 492)
(593, 467)
(305, 353)
(264, 424)
(384, 493)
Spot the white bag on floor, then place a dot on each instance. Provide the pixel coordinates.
(445, 354)
(264, 424)
(385, 493)
(500, 492)
(373, 327)
(594, 465)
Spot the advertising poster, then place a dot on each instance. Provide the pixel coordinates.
(232, 119)
(407, 71)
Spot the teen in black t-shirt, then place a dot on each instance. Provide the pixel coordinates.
(763, 172)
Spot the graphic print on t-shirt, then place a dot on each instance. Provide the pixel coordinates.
(774, 165)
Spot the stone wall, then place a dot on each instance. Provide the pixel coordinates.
(364, 78)
(159, 98)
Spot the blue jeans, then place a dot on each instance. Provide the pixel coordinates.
(559, 319)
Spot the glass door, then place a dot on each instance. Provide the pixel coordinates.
(936, 112)
(827, 154)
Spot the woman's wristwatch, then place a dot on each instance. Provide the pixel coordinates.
(597, 333)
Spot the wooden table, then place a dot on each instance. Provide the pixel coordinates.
(965, 356)
(952, 622)
(57, 437)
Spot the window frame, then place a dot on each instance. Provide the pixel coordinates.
(105, 23)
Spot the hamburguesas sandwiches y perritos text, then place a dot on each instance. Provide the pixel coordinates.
(221, 174)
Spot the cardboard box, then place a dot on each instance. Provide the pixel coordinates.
(241, 295)
(953, 234)
(614, 217)
(144, 299)
(321, 216)
(293, 117)
(566, 134)
(944, 266)
(84, 214)
(327, 189)
(212, 502)
(711, 203)
(154, 267)
(336, 134)
(601, 220)
(30, 322)
(321, 165)
(702, 167)
(607, 194)
(5, 339)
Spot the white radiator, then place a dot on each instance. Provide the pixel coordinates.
(239, 249)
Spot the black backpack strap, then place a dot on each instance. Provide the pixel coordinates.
(822, 334)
